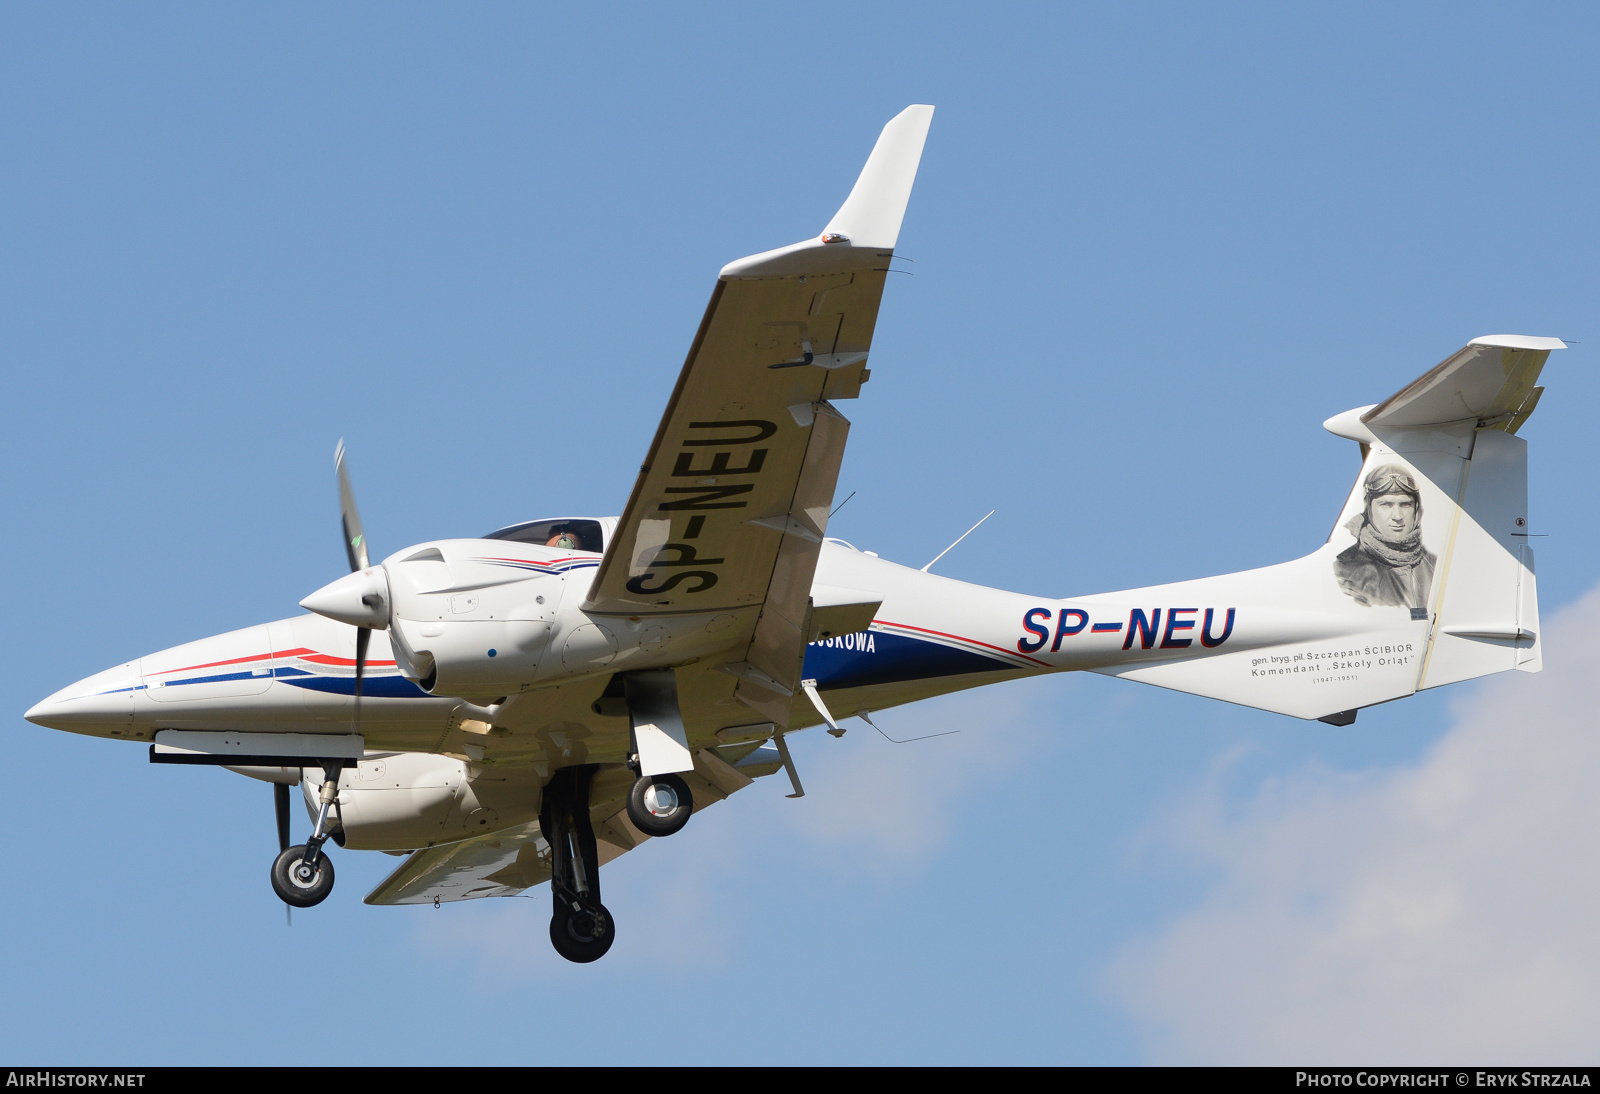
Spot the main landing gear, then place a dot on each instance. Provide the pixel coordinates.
(580, 929)
(303, 876)
(659, 805)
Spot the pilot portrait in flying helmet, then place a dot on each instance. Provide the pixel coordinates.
(1387, 566)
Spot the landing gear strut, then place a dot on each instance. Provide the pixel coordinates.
(580, 929)
(303, 876)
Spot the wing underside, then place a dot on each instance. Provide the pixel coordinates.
(508, 862)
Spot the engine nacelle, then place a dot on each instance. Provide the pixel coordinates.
(460, 657)
(402, 801)
(473, 616)
(480, 618)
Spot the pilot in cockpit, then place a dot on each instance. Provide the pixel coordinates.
(576, 534)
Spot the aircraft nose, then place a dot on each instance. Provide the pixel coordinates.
(102, 701)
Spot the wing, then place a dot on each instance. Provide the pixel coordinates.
(503, 864)
(510, 861)
(732, 502)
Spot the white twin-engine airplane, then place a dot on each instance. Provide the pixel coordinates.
(526, 706)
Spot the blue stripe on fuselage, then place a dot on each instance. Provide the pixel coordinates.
(852, 661)
(246, 675)
(372, 687)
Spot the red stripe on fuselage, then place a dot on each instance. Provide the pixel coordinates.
(958, 638)
(330, 659)
(302, 653)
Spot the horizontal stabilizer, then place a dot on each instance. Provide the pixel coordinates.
(1489, 381)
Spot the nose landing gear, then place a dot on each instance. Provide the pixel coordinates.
(301, 881)
(581, 929)
(303, 876)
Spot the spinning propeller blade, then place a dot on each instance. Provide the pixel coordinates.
(363, 636)
(355, 546)
(355, 542)
(280, 798)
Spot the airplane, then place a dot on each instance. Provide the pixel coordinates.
(526, 706)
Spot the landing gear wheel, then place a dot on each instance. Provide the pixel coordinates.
(584, 935)
(581, 929)
(659, 805)
(299, 884)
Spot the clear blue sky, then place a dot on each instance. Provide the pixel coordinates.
(1156, 245)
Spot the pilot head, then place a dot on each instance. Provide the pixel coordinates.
(1394, 504)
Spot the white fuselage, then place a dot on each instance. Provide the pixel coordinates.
(499, 621)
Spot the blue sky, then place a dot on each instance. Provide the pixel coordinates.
(1156, 245)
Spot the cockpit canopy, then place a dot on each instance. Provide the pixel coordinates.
(569, 533)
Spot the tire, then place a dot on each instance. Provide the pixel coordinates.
(576, 937)
(659, 805)
(291, 889)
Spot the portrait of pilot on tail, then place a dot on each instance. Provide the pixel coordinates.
(1387, 566)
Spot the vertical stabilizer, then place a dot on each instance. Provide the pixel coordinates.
(1426, 578)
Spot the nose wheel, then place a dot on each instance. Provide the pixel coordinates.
(300, 881)
(303, 876)
(581, 929)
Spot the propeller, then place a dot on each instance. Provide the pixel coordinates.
(361, 597)
(355, 543)
(280, 798)
(355, 547)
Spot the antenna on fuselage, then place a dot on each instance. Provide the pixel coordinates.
(952, 547)
(863, 715)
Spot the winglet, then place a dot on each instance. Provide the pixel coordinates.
(871, 215)
(867, 225)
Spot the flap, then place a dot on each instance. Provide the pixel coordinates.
(836, 610)
(717, 494)
(463, 871)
